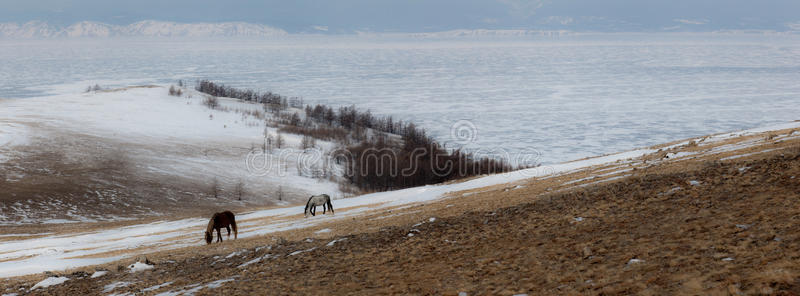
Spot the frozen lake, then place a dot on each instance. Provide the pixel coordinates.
(566, 99)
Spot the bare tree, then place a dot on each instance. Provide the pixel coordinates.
(215, 188)
(239, 190)
(307, 142)
(211, 102)
(279, 141)
(267, 140)
(295, 119)
(175, 91)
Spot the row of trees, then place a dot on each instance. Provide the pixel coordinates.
(349, 117)
(275, 102)
(374, 163)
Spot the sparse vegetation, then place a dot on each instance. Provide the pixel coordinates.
(279, 141)
(211, 102)
(215, 188)
(307, 142)
(173, 91)
(96, 87)
(382, 153)
(239, 190)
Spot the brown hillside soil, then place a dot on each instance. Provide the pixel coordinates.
(703, 228)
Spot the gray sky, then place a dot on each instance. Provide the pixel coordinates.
(426, 15)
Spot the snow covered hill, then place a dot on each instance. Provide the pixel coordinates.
(149, 28)
(137, 151)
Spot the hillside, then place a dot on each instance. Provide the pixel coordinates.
(138, 152)
(711, 215)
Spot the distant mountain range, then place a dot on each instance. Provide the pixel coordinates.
(39, 29)
(150, 28)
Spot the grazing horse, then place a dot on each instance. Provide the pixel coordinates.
(218, 221)
(318, 200)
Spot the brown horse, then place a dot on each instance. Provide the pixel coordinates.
(218, 221)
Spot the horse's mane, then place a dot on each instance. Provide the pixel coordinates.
(308, 203)
(210, 227)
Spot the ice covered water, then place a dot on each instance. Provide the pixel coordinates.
(565, 99)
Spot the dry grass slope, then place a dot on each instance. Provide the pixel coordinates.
(705, 227)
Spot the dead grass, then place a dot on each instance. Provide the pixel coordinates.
(507, 239)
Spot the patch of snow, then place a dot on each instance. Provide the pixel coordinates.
(743, 226)
(110, 287)
(300, 252)
(597, 176)
(694, 183)
(330, 244)
(156, 287)
(237, 253)
(139, 266)
(194, 288)
(99, 273)
(267, 256)
(578, 219)
(243, 265)
(24, 234)
(326, 230)
(672, 190)
(747, 154)
(727, 259)
(395, 215)
(51, 281)
(634, 261)
(680, 154)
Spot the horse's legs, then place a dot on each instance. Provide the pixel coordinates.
(229, 231)
(219, 235)
(323, 209)
(313, 211)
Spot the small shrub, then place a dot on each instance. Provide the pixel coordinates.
(279, 141)
(211, 102)
(307, 142)
(177, 92)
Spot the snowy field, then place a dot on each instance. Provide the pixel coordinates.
(58, 252)
(139, 151)
(564, 98)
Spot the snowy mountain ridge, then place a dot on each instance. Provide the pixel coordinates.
(148, 28)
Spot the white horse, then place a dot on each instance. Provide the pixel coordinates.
(318, 200)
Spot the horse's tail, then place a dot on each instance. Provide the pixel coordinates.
(305, 212)
(328, 200)
(233, 225)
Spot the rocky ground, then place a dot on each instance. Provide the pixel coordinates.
(710, 226)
